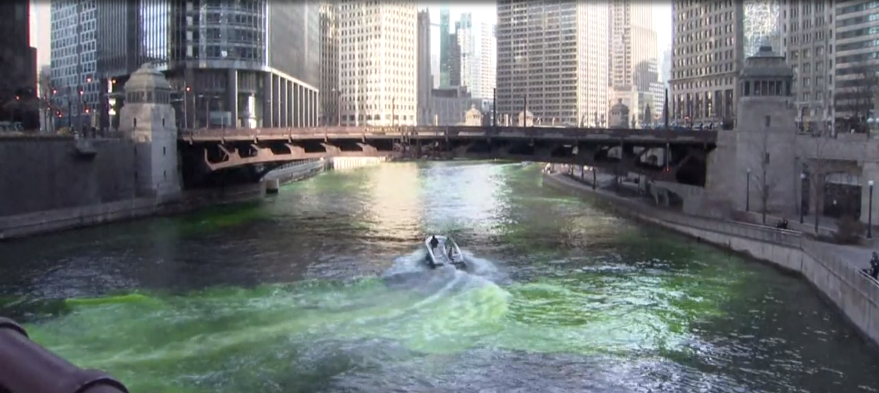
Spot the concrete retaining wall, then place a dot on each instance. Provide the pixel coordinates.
(855, 295)
(43, 222)
(38, 174)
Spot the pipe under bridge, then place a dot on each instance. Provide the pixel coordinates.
(662, 155)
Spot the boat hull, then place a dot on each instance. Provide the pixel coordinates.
(445, 252)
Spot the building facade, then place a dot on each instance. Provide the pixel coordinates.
(806, 42)
(855, 86)
(552, 58)
(329, 63)
(707, 56)
(634, 58)
(378, 63)
(425, 79)
(445, 39)
(486, 59)
(18, 65)
(217, 55)
(466, 38)
(450, 105)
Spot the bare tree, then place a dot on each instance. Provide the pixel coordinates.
(858, 95)
(764, 185)
(44, 85)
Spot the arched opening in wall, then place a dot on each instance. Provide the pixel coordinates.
(842, 195)
(135, 122)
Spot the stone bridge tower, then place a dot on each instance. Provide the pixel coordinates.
(757, 160)
(149, 120)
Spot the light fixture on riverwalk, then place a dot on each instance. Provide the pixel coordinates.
(870, 212)
(748, 191)
(802, 190)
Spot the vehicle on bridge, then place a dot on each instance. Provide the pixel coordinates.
(442, 250)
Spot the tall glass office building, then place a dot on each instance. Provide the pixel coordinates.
(234, 63)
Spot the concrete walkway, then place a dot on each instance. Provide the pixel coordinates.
(857, 256)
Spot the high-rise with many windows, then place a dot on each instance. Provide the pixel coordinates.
(552, 58)
(241, 63)
(634, 58)
(707, 56)
(329, 62)
(486, 59)
(856, 25)
(18, 63)
(378, 62)
(425, 80)
(807, 42)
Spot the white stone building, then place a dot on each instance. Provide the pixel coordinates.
(378, 66)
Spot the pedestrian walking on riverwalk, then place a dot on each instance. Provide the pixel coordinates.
(874, 266)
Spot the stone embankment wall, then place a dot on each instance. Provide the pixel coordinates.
(42, 222)
(855, 295)
(48, 173)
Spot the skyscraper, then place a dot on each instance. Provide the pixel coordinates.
(705, 70)
(806, 42)
(445, 46)
(233, 64)
(378, 63)
(329, 62)
(554, 55)
(634, 58)
(486, 62)
(454, 59)
(18, 63)
(425, 80)
(466, 38)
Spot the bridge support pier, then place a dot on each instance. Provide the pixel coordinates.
(272, 186)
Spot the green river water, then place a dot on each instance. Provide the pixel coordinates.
(322, 289)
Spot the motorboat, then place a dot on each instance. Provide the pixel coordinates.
(443, 252)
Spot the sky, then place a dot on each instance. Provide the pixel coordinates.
(41, 29)
(484, 12)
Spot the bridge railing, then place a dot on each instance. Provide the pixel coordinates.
(26, 367)
(450, 131)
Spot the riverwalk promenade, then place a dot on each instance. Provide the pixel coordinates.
(835, 270)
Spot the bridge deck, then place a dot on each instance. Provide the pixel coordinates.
(457, 132)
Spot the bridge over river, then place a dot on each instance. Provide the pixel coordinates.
(667, 155)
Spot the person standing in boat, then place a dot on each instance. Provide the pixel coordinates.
(433, 242)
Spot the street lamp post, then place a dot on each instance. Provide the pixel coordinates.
(802, 188)
(870, 212)
(594, 178)
(748, 191)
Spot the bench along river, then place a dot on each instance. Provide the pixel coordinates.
(322, 289)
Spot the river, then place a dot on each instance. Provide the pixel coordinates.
(321, 289)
